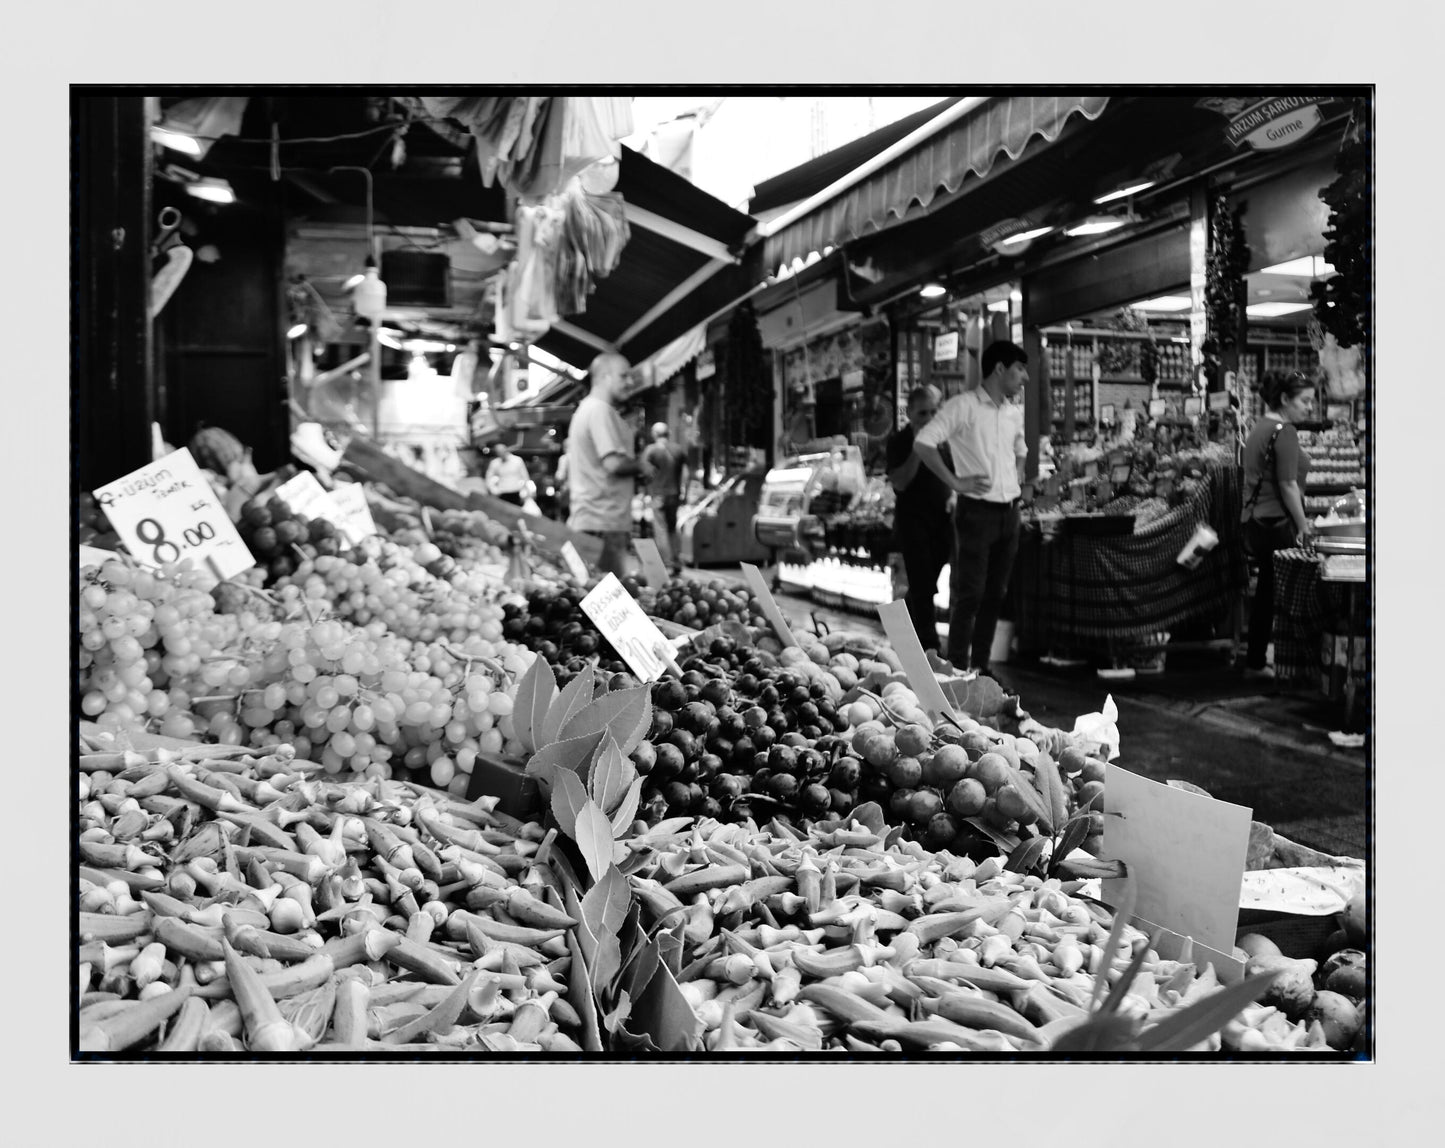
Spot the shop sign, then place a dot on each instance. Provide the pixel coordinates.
(631, 632)
(1269, 124)
(706, 365)
(1002, 230)
(166, 511)
(945, 347)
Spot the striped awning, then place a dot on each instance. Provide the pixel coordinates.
(979, 144)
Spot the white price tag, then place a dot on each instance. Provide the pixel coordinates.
(354, 519)
(576, 565)
(754, 578)
(307, 497)
(166, 511)
(653, 568)
(631, 632)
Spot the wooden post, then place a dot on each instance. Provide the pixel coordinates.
(111, 379)
(1036, 401)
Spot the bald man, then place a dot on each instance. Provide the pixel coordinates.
(602, 464)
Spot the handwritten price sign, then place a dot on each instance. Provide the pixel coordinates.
(631, 632)
(355, 521)
(166, 511)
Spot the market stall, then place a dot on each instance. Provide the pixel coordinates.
(1081, 590)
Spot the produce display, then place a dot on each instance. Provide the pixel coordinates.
(778, 850)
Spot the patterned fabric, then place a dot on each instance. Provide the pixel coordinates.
(1305, 609)
(1072, 590)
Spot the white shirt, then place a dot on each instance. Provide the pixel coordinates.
(984, 438)
(508, 475)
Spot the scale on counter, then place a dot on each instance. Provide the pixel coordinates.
(795, 494)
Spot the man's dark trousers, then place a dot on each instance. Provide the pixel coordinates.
(926, 547)
(987, 540)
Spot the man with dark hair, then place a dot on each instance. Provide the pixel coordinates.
(921, 531)
(601, 464)
(669, 480)
(984, 431)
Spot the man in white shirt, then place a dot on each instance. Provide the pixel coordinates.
(602, 464)
(984, 430)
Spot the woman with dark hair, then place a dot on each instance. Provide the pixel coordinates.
(1275, 468)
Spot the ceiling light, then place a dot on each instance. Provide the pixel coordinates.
(215, 190)
(176, 141)
(1274, 310)
(1132, 189)
(1163, 303)
(1095, 226)
(1024, 236)
(1016, 296)
(933, 290)
(297, 331)
(1305, 267)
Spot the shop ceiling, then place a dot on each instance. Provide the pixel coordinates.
(300, 156)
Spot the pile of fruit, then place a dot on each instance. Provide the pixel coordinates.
(698, 604)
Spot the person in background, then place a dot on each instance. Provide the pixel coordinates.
(560, 483)
(1275, 468)
(507, 476)
(602, 465)
(921, 530)
(984, 431)
(669, 479)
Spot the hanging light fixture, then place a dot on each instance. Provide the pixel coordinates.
(368, 291)
(214, 190)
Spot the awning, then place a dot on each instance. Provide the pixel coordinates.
(681, 265)
(974, 145)
(663, 364)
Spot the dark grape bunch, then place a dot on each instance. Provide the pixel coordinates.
(281, 539)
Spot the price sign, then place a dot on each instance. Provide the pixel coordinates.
(631, 632)
(945, 347)
(166, 511)
(1219, 400)
(754, 578)
(1193, 407)
(653, 568)
(308, 498)
(354, 519)
(575, 563)
(1157, 407)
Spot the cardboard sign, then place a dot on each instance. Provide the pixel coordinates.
(1185, 855)
(945, 347)
(575, 563)
(654, 570)
(904, 640)
(631, 632)
(354, 521)
(1219, 400)
(755, 582)
(307, 497)
(166, 511)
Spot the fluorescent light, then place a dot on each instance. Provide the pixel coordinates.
(933, 290)
(1163, 303)
(1025, 236)
(1274, 310)
(1095, 227)
(297, 331)
(353, 282)
(1001, 305)
(1132, 189)
(215, 190)
(389, 338)
(1305, 267)
(1016, 296)
(176, 141)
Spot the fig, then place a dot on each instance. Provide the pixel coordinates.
(1338, 1017)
